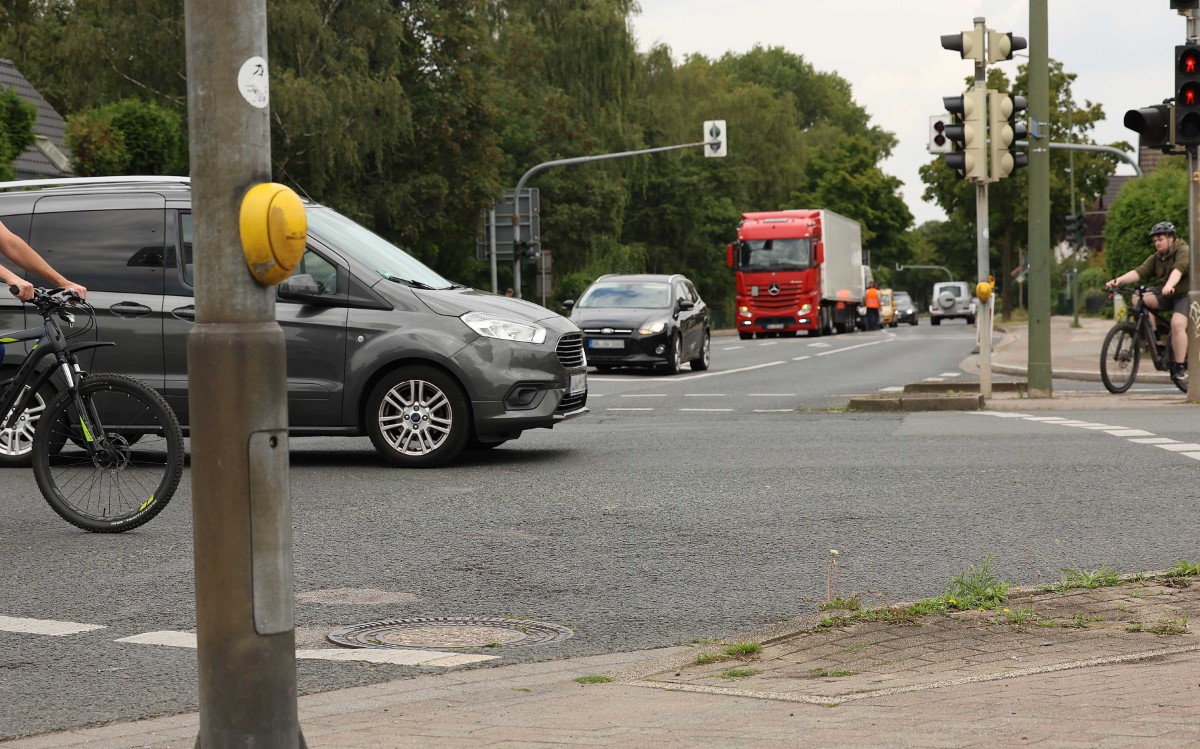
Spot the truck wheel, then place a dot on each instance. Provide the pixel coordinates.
(745, 336)
(700, 363)
(418, 417)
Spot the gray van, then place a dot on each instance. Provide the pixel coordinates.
(377, 343)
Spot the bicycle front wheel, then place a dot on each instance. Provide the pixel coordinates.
(1119, 358)
(116, 465)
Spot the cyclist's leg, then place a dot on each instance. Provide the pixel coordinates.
(1179, 337)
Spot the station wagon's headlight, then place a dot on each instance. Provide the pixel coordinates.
(652, 328)
(492, 326)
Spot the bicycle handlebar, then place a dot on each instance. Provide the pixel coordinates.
(46, 299)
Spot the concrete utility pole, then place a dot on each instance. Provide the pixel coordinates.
(1039, 372)
(245, 617)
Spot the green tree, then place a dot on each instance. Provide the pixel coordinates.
(126, 137)
(17, 117)
(1143, 202)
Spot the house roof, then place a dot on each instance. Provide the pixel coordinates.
(49, 124)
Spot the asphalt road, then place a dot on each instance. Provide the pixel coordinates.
(685, 507)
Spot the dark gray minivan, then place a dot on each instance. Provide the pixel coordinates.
(377, 343)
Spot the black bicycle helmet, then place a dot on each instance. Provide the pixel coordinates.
(1162, 227)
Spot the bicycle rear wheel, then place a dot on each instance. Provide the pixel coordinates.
(135, 463)
(1119, 358)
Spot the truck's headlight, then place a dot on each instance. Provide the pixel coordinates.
(805, 309)
(744, 311)
(493, 326)
(652, 328)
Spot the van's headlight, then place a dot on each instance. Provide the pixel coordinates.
(652, 328)
(492, 326)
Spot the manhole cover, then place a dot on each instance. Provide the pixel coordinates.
(449, 632)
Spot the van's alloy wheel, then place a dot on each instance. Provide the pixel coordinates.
(16, 444)
(418, 417)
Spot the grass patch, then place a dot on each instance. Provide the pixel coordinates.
(1103, 577)
(706, 658)
(844, 604)
(739, 673)
(860, 647)
(823, 673)
(1014, 617)
(1169, 626)
(743, 650)
(594, 679)
(1184, 568)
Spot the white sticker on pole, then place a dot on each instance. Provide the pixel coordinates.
(253, 82)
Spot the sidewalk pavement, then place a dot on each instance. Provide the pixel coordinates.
(1112, 666)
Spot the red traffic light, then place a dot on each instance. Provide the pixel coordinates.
(1189, 62)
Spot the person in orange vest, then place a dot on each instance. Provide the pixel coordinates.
(872, 304)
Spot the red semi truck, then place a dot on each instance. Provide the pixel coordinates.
(797, 270)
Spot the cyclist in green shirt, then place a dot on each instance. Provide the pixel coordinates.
(1165, 272)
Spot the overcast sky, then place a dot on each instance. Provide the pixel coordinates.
(889, 50)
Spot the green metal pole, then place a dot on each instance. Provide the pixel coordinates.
(1040, 376)
(241, 513)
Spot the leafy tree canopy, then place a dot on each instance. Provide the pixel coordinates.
(1143, 202)
(16, 129)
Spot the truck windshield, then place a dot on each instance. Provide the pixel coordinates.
(372, 250)
(775, 254)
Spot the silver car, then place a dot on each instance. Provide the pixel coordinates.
(952, 299)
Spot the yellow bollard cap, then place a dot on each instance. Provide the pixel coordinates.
(983, 290)
(274, 230)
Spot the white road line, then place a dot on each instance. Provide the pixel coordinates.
(1098, 427)
(725, 372)
(1153, 440)
(168, 638)
(1180, 447)
(708, 410)
(1193, 456)
(851, 348)
(44, 626)
(892, 389)
(934, 379)
(644, 395)
(1133, 433)
(951, 374)
(731, 348)
(768, 343)
(770, 395)
(774, 410)
(703, 395)
(629, 409)
(819, 345)
(1004, 415)
(1047, 419)
(801, 358)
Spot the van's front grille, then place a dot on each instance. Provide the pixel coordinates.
(572, 402)
(570, 351)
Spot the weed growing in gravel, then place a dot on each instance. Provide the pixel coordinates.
(1184, 568)
(739, 673)
(743, 650)
(1015, 618)
(822, 673)
(1099, 578)
(594, 679)
(706, 658)
(860, 647)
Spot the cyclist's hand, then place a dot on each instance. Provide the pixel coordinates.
(1168, 290)
(21, 289)
(1110, 284)
(78, 289)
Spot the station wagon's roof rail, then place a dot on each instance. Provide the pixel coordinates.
(119, 180)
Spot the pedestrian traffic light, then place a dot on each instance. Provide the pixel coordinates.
(968, 133)
(1187, 94)
(968, 44)
(938, 142)
(716, 141)
(1005, 157)
(1002, 44)
(1154, 125)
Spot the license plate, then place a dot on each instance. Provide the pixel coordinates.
(605, 343)
(775, 326)
(577, 383)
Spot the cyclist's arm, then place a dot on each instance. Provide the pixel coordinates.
(18, 251)
(1125, 278)
(1169, 287)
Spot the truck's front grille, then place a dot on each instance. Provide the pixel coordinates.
(570, 351)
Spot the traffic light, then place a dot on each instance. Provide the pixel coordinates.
(1075, 228)
(968, 133)
(938, 142)
(1187, 94)
(1002, 44)
(968, 44)
(1155, 125)
(1005, 131)
(715, 139)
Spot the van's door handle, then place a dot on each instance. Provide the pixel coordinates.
(185, 313)
(129, 309)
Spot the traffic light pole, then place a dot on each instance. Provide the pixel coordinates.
(1193, 355)
(1039, 372)
(983, 317)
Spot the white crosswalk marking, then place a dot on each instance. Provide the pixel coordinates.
(1133, 433)
(1152, 440)
(1180, 447)
(629, 409)
(950, 374)
(44, 626)
(708, 410)
(167, 638)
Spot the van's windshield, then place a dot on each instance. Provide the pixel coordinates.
(370, 249)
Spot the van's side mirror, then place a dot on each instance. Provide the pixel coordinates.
(299, 288)
(568, 303)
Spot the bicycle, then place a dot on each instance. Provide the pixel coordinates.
(1122, 350)
(83, 447)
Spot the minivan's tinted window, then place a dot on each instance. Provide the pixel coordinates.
(117, 251)
(370, 249)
